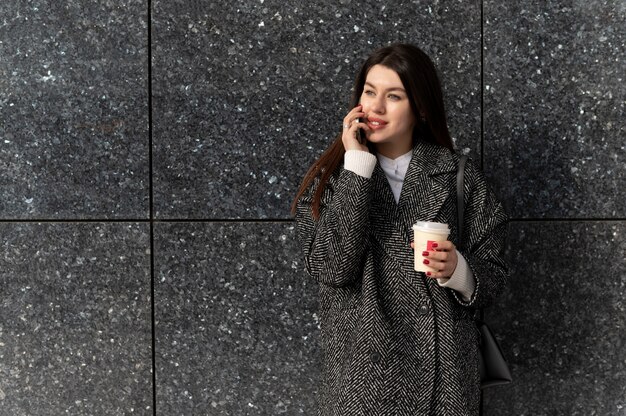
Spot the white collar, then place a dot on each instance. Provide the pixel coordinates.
(400, 161)
(395, 170)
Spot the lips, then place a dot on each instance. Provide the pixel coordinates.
(375, 123)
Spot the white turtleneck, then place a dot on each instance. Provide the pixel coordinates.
(363, 163)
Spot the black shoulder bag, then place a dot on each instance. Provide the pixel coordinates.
(493, 367)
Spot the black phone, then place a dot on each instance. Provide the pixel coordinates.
(360, 136)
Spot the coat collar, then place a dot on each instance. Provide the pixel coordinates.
(425, 188)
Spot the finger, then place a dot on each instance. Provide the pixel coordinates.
(349, 121)
(437, 255)
(352, 114)
(356, 125)
(350, 137)
(440, 273)
(438, 265)
(352, 117)
(444, 245)
(436, 275)
(357, 108)
(412, 245)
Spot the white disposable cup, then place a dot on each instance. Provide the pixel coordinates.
(424, 235)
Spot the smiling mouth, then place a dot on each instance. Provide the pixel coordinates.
(376, 121)
(376, 124)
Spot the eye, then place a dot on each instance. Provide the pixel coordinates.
(368, 92)
(394, 97)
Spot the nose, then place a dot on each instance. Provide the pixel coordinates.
(377, 105)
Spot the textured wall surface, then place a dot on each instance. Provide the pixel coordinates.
(561, 322)
(74, 102)
(149, 153)
(236, 324)
(247, 94)
(555, 137)
(555, 148)
(75, 333)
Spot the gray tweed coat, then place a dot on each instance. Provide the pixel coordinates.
(394, 342)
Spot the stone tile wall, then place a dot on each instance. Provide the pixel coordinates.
(149, 153)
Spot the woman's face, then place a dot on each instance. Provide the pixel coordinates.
(387, 109)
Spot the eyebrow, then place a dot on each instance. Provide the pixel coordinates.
(390, 89)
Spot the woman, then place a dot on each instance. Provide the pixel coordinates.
(396, 341)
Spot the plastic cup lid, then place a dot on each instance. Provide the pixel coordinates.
(433, 227)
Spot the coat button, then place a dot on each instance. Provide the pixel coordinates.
(375, 357)
(423, 309)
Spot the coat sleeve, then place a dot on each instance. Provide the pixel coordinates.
(334, 246)
(485, 228)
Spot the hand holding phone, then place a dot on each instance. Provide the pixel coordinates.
(353, 136)
(360, 135)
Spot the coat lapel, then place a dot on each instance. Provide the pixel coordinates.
(384, 215)
(425, 188)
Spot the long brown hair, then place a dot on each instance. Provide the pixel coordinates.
(419, 78)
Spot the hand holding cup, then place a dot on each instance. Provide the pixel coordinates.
(443, 259)
(434, 254)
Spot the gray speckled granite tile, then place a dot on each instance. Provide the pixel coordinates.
(555, 107)
(73, 104)
(75, 329)
(236, 323)
(248, 94)
(561, 322)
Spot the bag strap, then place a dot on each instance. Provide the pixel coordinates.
(460, 208)
(460, 204)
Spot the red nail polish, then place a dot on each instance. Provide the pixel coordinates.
(424, 253)
(428, 273)
(426, 261)
(435, 245)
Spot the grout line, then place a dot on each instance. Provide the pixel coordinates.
(482, 91)
(567, 219)
(151, 220)
(151, 208)
(260, 221)
(62, 220)
(481, 405)
(248, 220)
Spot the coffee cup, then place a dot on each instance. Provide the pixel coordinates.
(424, 235)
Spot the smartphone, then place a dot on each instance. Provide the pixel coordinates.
(360, 136)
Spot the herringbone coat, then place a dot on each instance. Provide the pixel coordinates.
(394, 342)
